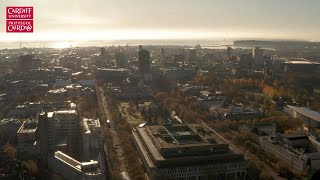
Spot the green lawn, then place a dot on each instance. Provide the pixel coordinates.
(134, 118)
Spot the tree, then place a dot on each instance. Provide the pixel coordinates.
(10, 151)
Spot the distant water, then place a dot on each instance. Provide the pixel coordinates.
(214, 44)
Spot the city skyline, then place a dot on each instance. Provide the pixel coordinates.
(141, 19)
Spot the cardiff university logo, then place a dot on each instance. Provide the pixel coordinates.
(19, 19)
(19, 25)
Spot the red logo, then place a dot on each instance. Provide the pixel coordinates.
(19, 19)
(19, 12)
(19, 26)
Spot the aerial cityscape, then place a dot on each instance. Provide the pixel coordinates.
(161, 91)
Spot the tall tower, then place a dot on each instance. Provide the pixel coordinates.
(257, 55)
(144, 61)
(43, 137)
(144, 64)
(162, 55)
(229, 51)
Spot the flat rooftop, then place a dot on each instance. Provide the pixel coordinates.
(184, 143)
(306, 112)
(28, 127)
(91, 167)
(90, 125)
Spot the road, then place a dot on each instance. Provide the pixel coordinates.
(115, 138)
(248, 155)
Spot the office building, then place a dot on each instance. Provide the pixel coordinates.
(187, 151)
(192, 55)
(27, 137)
(299, 151)
(27, 63)
(162, 55)
(122, 60)
(71, 168)
(92, 138)
(144, 62)
(61, 129)
(257, 55)
(309, 117)
(229, 52)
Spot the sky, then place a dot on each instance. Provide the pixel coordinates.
(69, 20)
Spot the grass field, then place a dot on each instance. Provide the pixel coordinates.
(132, 118)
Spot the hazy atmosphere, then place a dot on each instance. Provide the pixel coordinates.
(169, 19)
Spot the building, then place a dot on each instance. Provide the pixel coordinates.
(162, 55)
(292, 65)
(309, 117)
(92, 138)
(27, 63)
(257, 55)
(187, 151)
(128, 92)
(62, 129)
(175, 74)
(259, 130)
(193, 55)
(57, 94)
(122, 60)
(211, 99)
(229, 52)
(299, 151)
(70, 168)
(27, 137)
(61, 83)
(245, 61)
(111, 74)
(9, 128)
(239, 111)
(144, 63)
(3, 99)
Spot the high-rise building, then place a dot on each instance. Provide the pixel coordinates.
(144, 62)
(187, 151)
(192, 54)
(43, 137)
(162, 54)
(246, 60)
(257, 55)
(62, 129)
(122, 60)
(229, 51)
(103, 52)
(27, 63)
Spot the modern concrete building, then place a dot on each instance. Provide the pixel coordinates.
(229, 52)
(187, 151)
(145, 64)
(70, 168)
(309, 117)
(27, 137)
(27, 63)
(92, 138)
(257, 55)
(299, 151)
(9, 128)
(61, 129)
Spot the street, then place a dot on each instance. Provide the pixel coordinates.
(115, 138)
